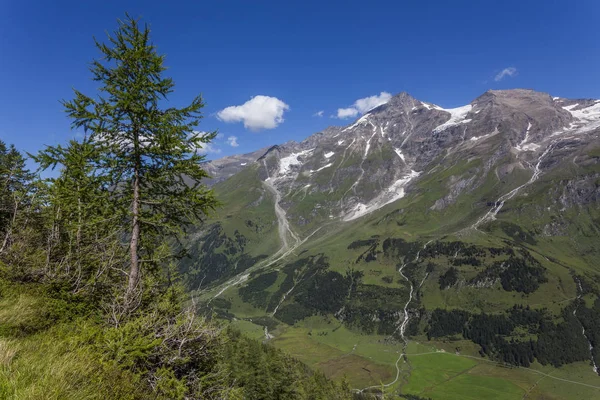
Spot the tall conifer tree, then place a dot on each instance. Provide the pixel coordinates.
(147, 153)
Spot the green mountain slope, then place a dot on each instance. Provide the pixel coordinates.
(482, 272)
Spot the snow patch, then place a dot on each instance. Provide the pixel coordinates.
(457, 116)
(286, 163)
(572, 106)
(477, 138)
(362, 120)
(588, 118)
(242, 164)
(329, 154)
(392, 193)
(591, 113)
(340, 142)
(368, 146)
(431, 106)
(399, 152)
(323, 167)
(530, 147)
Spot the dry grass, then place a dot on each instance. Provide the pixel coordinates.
(8, 351)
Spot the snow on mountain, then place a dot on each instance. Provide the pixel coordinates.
(457, 116)
(372, 162)
(294, 159)
(390, 194)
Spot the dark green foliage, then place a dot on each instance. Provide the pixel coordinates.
(325, 292)
(148, 156)
(263, 372)
(261, 282)
(57, 305)
(220, 307)
(430, 267)
(169, 351)
(369, 308)
(215, 258)
(373, 309)
(562, 343)
(220, 302)
(587, 285)
(447, 323)
(21, 220)
(522, 275)
(556, 343)
(254, 291)
(589, 319)
(83, 227)
(369, 255)
(414, 324)
(296, 272)
(15, 187)
(519, 274)
(473, 261)
(398, 249)
(135, 177)
(498, 251)
(452, 249)
(449, 278)
(413, 397)
(484, 328)
(527, 317)
(292, 313)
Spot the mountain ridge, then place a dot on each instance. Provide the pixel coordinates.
(418, 224)
(418, 132)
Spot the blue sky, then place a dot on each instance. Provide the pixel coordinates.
(302, 56)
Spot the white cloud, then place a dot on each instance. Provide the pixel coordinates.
(363, 105)
(208, 148)
(368, 103)
(232, 141)
(220, 136)
(509, 71)
(318, 114)
(347, 112)
(260, 112)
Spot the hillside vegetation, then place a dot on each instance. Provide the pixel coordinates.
(417, 231)
(91, 305)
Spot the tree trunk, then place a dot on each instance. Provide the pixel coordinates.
(134, 269)
(10, 226)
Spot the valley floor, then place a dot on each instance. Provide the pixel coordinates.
(432, 369)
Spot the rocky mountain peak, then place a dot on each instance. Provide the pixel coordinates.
(402, 99)
(350, 171)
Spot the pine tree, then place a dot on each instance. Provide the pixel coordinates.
(16, 186)
(83, 233)
(147, 155)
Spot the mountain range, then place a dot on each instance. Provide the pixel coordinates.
(471, 230)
